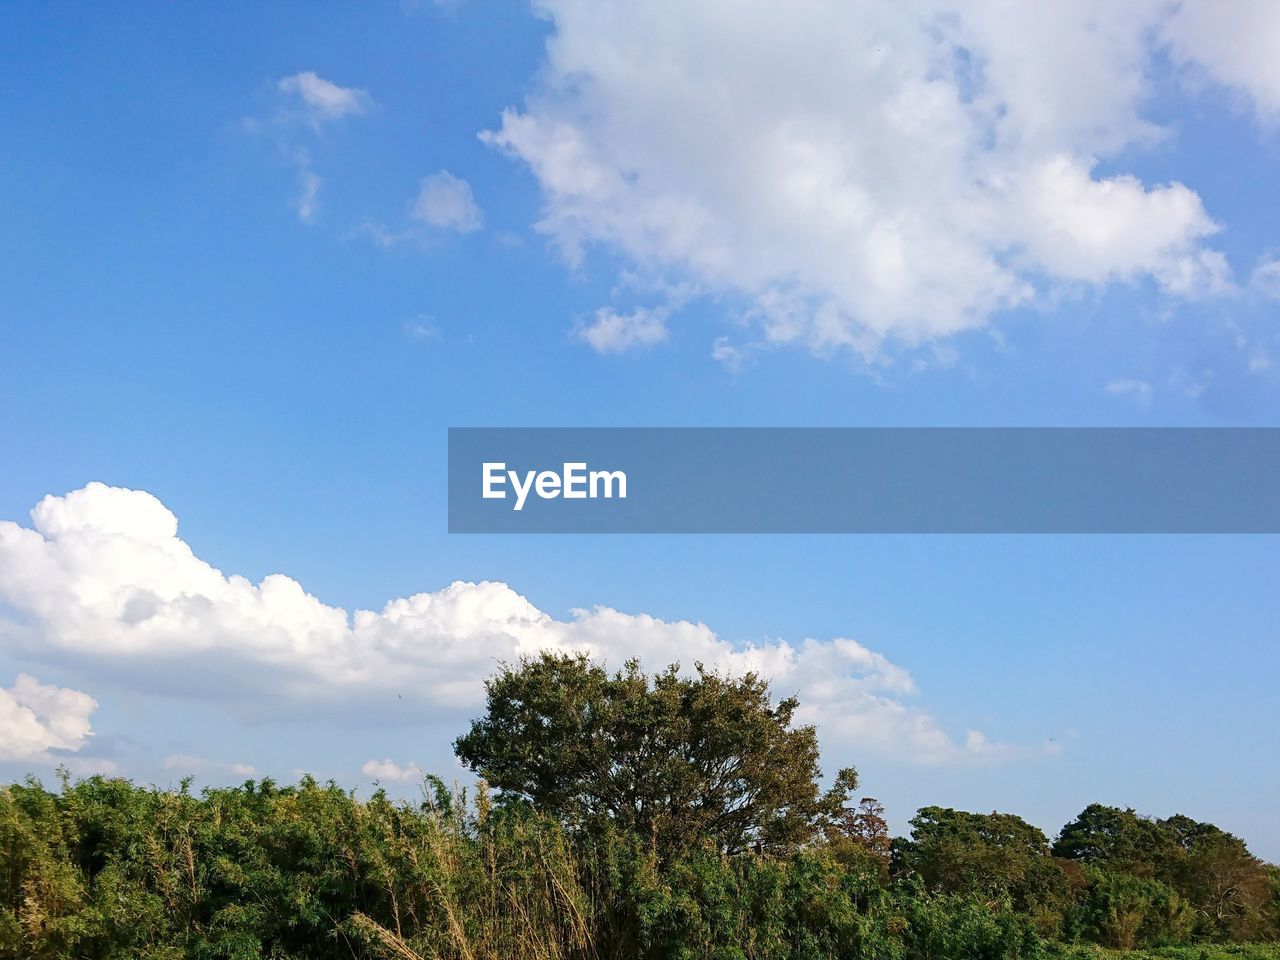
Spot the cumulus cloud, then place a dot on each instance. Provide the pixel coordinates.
(36, 718)
(863, 172)
(445, 201)
(390, 770)
(102, 576)
(185, 763)
(613, 332)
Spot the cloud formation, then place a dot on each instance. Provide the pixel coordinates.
(857, 173)
(306, 103)
(390, 771)
(36, 718)
(1266, 277)
(1233, 43)
(102, 576)
(322, 99)
(446, 202)
(614, 332)
(307, 201)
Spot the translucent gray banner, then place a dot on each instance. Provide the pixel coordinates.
(863, 480)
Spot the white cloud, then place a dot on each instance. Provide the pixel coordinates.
(1266, 277)
(36, 718)
(445, 201)
(88, 766)
(858, 172)
(308, 199)
(187, 764)
(390, 770)
(322, 99)
(422, 327)
(103, 577)
(613, 332)
(1234, 43)
(733, 356)
(307, 103)
(1139, 390)
(1097, 231)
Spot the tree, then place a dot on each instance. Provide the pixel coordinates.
(866, 826)
(988, 855)
(1120, 840)
(1228, 885)
(677, 760)
(1209, 867)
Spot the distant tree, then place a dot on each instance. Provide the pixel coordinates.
(988, 855)
(677, 760)
(1229, 887)
(866, 826)
(1119, 839)
(955, 851)
(858, 837)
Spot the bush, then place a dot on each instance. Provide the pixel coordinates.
(1124, 911)
(106, 869)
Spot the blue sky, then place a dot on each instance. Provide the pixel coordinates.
(255, 262)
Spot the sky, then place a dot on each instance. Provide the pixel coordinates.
(255, 261)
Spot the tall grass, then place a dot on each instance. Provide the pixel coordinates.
(108, 869)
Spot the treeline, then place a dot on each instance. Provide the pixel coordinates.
(1111, 877)
(629, 817)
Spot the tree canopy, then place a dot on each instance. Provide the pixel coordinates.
(992, 855)
(673, 758)
(1212, 869)
(1120, 839)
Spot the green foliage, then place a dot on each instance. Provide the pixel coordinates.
(1123, 911)
(668, 758)
(1120, 839)
(639, 818)
(1230, 892)
(1211, 951)
(960, 926)
(991, 856)
(106, 869)
(109, 870)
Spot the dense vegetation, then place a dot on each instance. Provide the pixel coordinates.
(629, 817)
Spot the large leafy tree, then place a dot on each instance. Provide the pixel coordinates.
(678, 760)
